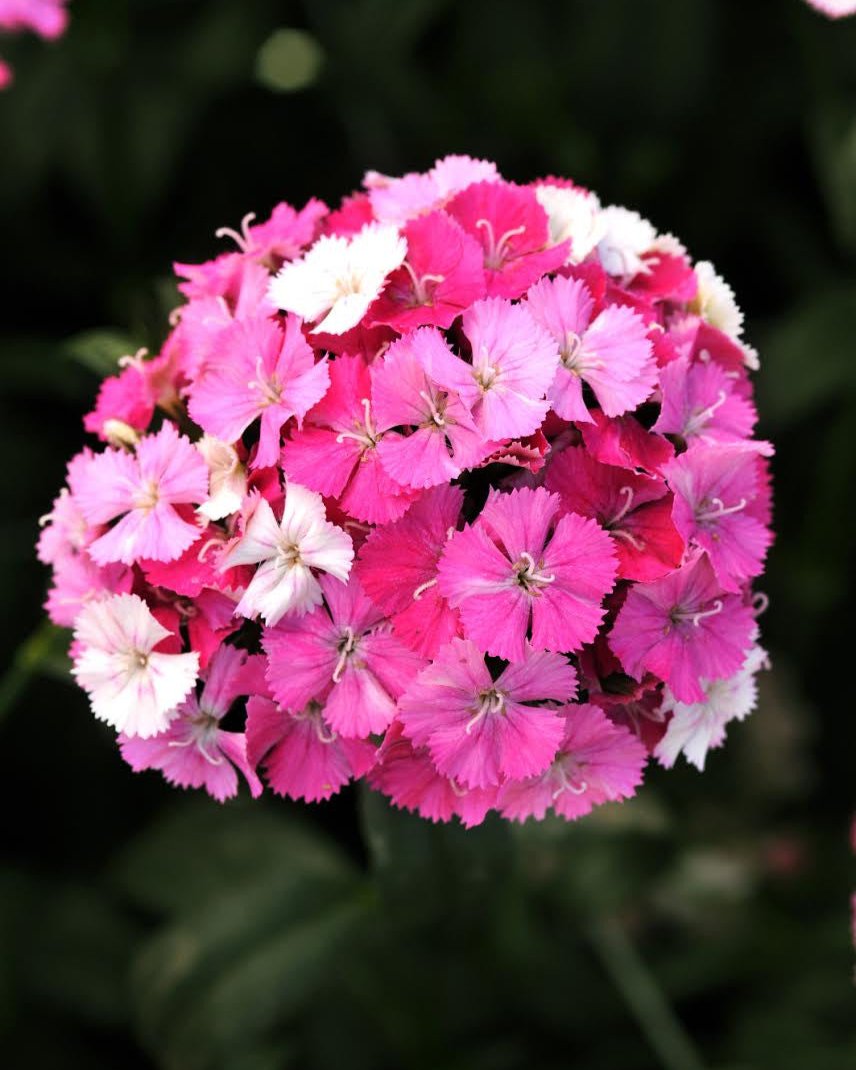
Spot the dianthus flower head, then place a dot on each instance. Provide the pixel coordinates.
(402, 474)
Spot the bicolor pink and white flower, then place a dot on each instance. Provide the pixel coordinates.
(402, 473)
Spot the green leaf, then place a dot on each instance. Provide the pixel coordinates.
(100, 350)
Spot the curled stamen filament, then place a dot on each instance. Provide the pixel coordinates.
(698, 419)
(369, 436)
(242, 239)
(423, 587)
(457, 788)
(205, 547)
(135, 361)
(492, 702)
(344, 654)
(420, 291)
(530, 572)
(627, 494)
(567, 783)
(721, 509)
(622, 533)
(436, 416)
(760, 603)
(496, 249)
(703, 614)
(210, 758)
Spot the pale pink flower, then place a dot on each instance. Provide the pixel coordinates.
(194, 751)
(289, 553)
(334, 283)
(142, 491)
(684, 628)
(479, 730)
(227, 479)
(522, 569)
(77, 580)
(607, 348)
(414, 388)
(397, 566)
(597, 762)
(259, 370)
(344, 654)
(835, 9)
(301, 756)
(697, 727)
(130, 685)
(514, 361)
(397, 200)
(336, 454)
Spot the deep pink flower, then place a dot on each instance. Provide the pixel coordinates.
(260, 370)
(414, 390)
(343, 654)
(607, 348)
(635, 509)
(714, 485)
(597, 761)
(624, 442)
(397, 566)
(513, 364)
(441, 276)
(479, 730)
(684, 628)
(511, 227)
(301, 756)
(194, 752)
(336, 451)
(521, 568)
(143, 491)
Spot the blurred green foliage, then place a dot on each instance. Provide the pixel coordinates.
(703, 924)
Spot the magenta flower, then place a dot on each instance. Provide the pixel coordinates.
(522, 569)
(397, 566)
(683, 628)
(343, 657)
(512, 229)
(700, 401)
(715, 487)
(195, 752)
(301, 756)
(144, 492)
(635, 509)
(432, 436)
(259, 370)
(479, 730)
(596, 762)
(606, 347)
(513, 363)
(336, 451)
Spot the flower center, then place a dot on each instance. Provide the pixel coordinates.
(148, 496)
(497, 252)
(529, 576)
(364, 431)
(489, 701)
(346, 647)
(421, 294)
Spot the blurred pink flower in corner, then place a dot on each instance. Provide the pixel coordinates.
(835, 9)
(47, 18)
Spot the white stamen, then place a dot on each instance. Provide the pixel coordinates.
(344, 653)
(496, 251)
(242, 240)
(422, 588)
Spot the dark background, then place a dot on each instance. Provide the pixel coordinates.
(704, 924)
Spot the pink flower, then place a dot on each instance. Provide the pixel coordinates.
(336, 452)
(835, 9)
(259, 371)
(47, 18)
(521, 567)
(396, 200)
(479, 730)
(342, 656)
(607, 348)
(143, 490)
(684, 628)
(513, 363)
(194, 752)
(511, 227)
(413, 388)
(635, 509)
(440, 278)
(713, 487)
(699, 400)
(623, 442)
(282, 236)
(77, 580)
(397, 566)
(302, 757)
(597, 762)
(288, 554)
(410, 780)
(130, 685)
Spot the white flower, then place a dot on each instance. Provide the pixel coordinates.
(286, 553)
(574, 214)
(227, 478)
(697, 727)
(715, 301)
(626, 236)
(130, 687)
(338, 278)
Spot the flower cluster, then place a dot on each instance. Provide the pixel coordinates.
(452, 488)
(47, 18)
